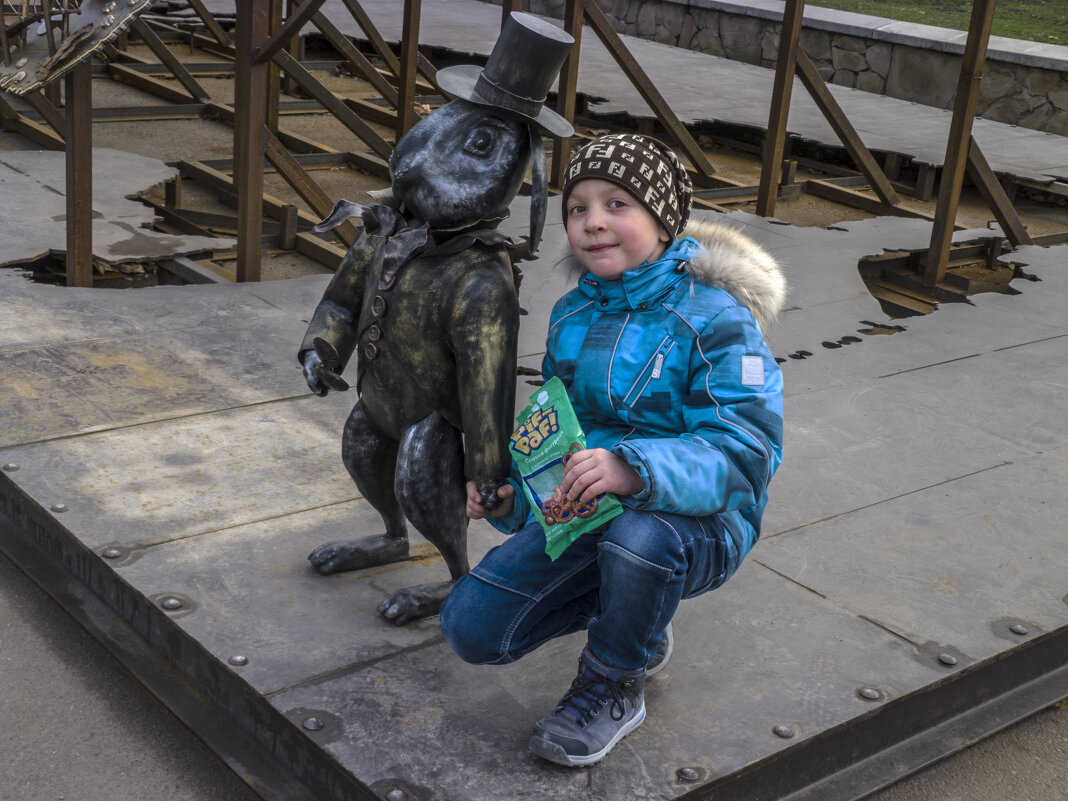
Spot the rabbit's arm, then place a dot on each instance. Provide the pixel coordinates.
(336, 315)
(483, 336)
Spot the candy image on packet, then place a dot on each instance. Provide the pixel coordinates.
(548, 433)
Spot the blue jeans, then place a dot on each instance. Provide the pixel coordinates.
(622, 583)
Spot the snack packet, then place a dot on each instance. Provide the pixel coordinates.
(548, 434)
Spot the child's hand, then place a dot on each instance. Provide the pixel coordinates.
(591, 472)
(476, 510)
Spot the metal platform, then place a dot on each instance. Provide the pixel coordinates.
(165, 473)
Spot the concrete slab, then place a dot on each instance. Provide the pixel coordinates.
(33, 207)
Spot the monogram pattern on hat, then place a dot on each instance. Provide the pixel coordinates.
(645, 167)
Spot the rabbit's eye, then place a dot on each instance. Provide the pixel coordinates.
(480, 142)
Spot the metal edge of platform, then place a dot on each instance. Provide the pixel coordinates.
(276, 759)
(255, 741)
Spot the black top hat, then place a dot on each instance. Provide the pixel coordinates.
(521, 69)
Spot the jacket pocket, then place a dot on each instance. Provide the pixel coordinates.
(649, 372)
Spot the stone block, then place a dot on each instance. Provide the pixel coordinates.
(671, 16)
(741, 38)
(848, 60)
(816, 44)
(852, 43)
(769, 46)
(1037, 118)
(647, 19)
(1008, 110)
(707, 41)
(844, 78)
(825, 70)
(630, 11)
(923, 76)
(996, 83)
(878, 57)
(1039, 82)
(869, 81)
(1058, 123)
(1059, 96)
(687, 31)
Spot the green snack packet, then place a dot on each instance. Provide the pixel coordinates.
(548, 434)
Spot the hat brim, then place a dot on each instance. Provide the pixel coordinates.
(460, 81)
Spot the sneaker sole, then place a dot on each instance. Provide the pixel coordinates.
(553, 752)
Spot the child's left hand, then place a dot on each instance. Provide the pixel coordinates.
(591, 472)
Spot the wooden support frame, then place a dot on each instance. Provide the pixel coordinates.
(409, 53)
(567, 89)
(994, 194)
(782, 90)
(650, 94)
(281, 37)
(960, 132)
(79, 148)
(333, 103)
(303, 185)
(168, 59)
(250, 123)
(357, 60)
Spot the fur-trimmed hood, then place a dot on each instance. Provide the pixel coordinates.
(737, 264)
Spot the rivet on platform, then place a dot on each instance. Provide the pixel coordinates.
(396, 795)
(171, 603)
(1019, 628)
(10, 467)
(111, 553)
(869, 694)
(238, 661)
(786, 732)
(59, 507)
(947, 659)
(687, 774)
(312, 724)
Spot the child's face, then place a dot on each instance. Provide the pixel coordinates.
(609, 230)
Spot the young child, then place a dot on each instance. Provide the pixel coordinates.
(660, 348)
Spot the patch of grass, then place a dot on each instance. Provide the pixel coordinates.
(1043, 21)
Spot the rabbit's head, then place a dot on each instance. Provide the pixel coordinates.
(461, 164)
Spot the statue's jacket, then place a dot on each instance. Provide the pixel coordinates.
(667, 367)
(432, 318)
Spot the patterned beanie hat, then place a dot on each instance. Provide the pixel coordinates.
(643, 166)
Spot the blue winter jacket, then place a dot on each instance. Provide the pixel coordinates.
(667, 367)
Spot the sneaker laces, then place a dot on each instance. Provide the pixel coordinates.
(588, 693)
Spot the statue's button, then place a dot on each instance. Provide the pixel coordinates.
(370, 350)
(374, 333)
(378, 306)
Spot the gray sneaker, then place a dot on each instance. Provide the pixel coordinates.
(602, 707)
(662, 655)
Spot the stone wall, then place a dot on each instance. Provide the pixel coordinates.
(1024, 83)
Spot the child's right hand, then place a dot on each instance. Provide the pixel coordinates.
(475, 508)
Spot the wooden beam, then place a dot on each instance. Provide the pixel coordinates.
(960, 132)
(851, 197)
(302, 183)
(169, 60)
(209, 22)
(290, 28)
(344, 114)
(49, 113)
(146, 83)
(640, 79)
(994, 195)
(79, 149)
(847, 134)
(357, 60)
(409, 50)
(250, 123)
(11, 120)
(782, 88)
(507, 7)
(567, 87)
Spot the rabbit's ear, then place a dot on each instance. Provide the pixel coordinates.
(539, 191)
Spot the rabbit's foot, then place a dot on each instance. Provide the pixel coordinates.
(335, 557)
(412, 603)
